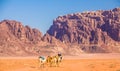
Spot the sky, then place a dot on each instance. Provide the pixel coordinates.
(41, 13)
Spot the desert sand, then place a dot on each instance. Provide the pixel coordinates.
(84, 62)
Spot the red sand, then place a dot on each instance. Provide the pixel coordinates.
(85, 62)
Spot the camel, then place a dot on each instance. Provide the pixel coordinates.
(50, 60)
(42, 61)
(54, 60)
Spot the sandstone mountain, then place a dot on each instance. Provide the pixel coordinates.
(15, 38)
(91, 32)
(96, 31)
(19, 40)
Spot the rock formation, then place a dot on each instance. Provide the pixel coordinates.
(19, 31)
(19, 40)
(16, 38)
(89, 29)
(92, 32)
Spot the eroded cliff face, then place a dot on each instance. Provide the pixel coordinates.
(15, 39)
(72, 34)
(19, 31)
(19, 40)
(99, 28)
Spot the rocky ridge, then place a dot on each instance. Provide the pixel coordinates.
(19, 40)
(95, 30)
(72, 34)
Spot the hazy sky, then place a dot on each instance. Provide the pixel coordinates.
(40, 13)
